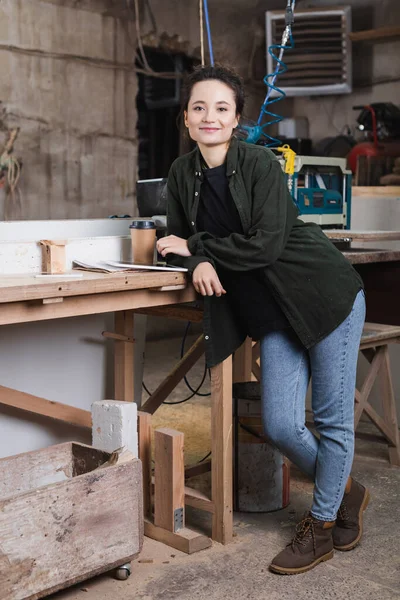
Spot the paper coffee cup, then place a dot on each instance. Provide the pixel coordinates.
(143, 238)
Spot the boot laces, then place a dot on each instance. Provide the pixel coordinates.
(343, 512)
(304, 530)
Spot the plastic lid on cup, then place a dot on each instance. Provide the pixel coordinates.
(142, 224)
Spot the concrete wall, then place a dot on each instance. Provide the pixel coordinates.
(62, 86)
(377, 62)
(67, 83)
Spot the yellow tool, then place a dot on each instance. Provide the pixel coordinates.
(289, 157)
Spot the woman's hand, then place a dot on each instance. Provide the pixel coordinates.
(174, 245)
(206, 281)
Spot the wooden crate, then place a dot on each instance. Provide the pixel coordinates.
(66, 514)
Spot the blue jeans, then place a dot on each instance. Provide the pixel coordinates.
(286, 367)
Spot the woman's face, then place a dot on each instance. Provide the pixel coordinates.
(211, 114)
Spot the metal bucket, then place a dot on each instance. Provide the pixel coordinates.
(261, 472)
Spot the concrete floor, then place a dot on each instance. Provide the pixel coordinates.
(240, 570)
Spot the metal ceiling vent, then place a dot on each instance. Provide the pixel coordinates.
(320, 62)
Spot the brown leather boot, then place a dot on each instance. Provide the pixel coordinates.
(311, 545)
(349, 522)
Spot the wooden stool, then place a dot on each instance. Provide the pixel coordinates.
(375, 347)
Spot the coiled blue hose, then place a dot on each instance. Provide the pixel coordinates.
(256, 132)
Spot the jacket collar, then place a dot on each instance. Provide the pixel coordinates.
(231, 159)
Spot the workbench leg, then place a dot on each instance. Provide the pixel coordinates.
(140, 344)
(242, 362)
(221, 448)
(123, 357)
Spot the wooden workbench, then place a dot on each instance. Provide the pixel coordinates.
(28, 299)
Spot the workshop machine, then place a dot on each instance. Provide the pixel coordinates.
(320, 187)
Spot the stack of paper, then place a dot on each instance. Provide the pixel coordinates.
(111, 266)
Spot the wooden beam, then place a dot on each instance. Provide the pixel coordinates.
(117, 336)
(375, 35)
(363, 236)
(26, 312)
(256, 370)
(198, 469)
(389, 408)
(46, 408)
(15, 289)
(242, 362)
(193, 498)
(169, 479)
(198, 500)
(144, 435)
(381, 424)
(123, 357)
(367, 384)
(185, 540)
(179, 312)
(175, 376)
(221, 448)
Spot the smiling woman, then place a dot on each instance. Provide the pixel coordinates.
(268, 275)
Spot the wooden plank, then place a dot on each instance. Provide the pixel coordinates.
(375, 35)
(198, 500)
(57, 535)
(117, 336)
(221, 448)
(389, 408)
(367, 384)
(169, 478)
(194, 498)
(380, 424)
(15, 289)
(144, 435)
(256, 370)
(179, 312)
(46, 408)
(25, 312)
(175, 376)
(378, 339)
(185, 540)
(372, 256)
(363, 236)
(242, 362)
(25, 472)
(198, 469)
(123, 357)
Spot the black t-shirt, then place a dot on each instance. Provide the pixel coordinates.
(247, 291)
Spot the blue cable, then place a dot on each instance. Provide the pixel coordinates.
(205, 2)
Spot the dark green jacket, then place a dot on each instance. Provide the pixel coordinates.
(311, 280)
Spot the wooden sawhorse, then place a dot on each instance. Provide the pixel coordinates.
(375, 347)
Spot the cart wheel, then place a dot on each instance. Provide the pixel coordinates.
(123, 572)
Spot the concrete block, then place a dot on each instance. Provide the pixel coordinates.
(114, 426)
